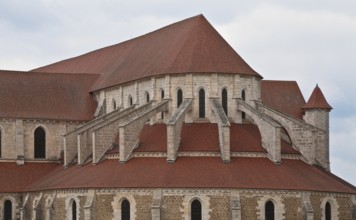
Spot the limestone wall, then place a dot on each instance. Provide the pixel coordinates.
(103, 207)
(175, 204)
(17, 137)
(172, 207)
(190, 84)
(8, 138)
(220, 207)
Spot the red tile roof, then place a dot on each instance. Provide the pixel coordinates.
(14, 178)
(199, 137)
(191, 172)
(245, 138)
(46, 95)
(188, 46)
(204, 137)
(284, 96)
(153, 138)
(317, 100)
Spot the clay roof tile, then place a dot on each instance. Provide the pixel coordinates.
(283, 96)
(55, 96)
(317, 100)
(188, 46)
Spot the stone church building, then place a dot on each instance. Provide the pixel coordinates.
(171, 125)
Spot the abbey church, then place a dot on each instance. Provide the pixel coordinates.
(171, 125)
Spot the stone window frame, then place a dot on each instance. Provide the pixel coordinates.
(227, 99)
(68, 207)
(334, 207)
(116, 205)
(114, 104)
(13, 206)
(177, 97)
(205, 101)
(243, 97)
(278, 207)
(47, 134)
(129, 101)
(147, 97)
(187, 203)
(162, 96)
(266, 207)
(161, 92)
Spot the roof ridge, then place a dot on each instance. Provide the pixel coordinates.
(191, 45)
(117, 44)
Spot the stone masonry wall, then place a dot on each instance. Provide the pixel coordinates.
(310, 141)
(172, 206)
(175, 203)
(16, 200)
(269, 129)
(174, 129)
(103, 207)
(54, 132)
(8, 138)
(248, 207)
(59, 208)
(315, 202)
(224, 129)
(220, 207)
(293, 210)
(345, 205)
(54, 139)
(143, 207)
(130, 130)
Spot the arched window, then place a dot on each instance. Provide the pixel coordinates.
(40, 143)
(224, 100)
(7, 210)
(162, 97)
(201, 103)
(196, 210)
(147, 97)
(327, 211)
(269, 211)
(74, 210)
(130, 101)
(243, 96)
(125, 210)
(113, 104)
(179, 97)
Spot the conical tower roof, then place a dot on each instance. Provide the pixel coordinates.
(317, 100)
(188, 46)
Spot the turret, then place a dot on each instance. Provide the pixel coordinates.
(316, 113)
(316, 110)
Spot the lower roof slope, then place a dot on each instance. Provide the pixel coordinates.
(186, 172)
(52, 96)
(14, 178)
(283, 96)
(203, 137)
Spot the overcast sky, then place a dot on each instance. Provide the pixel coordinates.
(312, 42)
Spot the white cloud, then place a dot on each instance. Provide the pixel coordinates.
(343, 147)
(308, 46)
